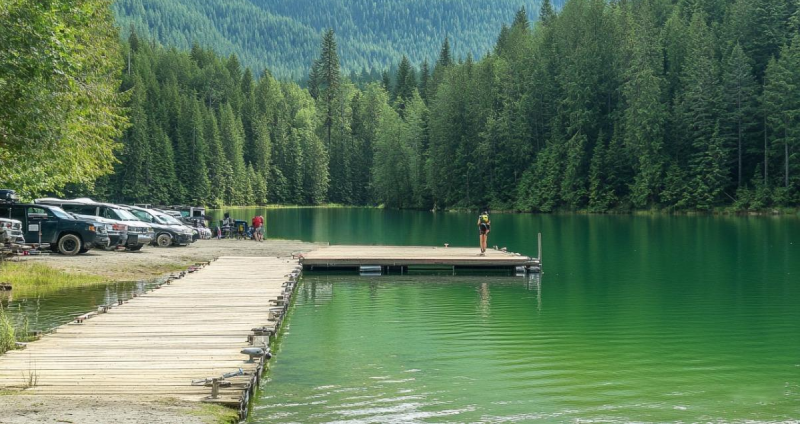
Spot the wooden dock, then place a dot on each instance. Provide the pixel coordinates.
(183, 340)
(403, 257)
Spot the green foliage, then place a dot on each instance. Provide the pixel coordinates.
(60, 110)
(283, 35)
(607, 105)
(399, 167)
(205, 132)
(7, 332)
(601, 106)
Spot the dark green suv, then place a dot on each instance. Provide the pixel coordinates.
(50, 224)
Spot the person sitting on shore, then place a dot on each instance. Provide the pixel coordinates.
(227, 225)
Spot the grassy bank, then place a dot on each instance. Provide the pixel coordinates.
(36, 279)
(8, 335)
(216, 414)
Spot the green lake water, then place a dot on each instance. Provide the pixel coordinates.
(637, 318)
(57, 308)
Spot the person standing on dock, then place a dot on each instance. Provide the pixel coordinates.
(484, 227)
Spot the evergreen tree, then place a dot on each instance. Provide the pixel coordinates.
(315, 79)
(217, 163)
(132, 170)
(707, 186)
(782, 107)
(700, 112)
(601, 193)
(424, 81)
(164, 186)
(387, 83)
(546, 13)
(521, 19)
(444, 62)
(645, 114)
(329, 83)
(392, 172)
(406, 84)
(739, 97)
(194, 174)
(232, 136)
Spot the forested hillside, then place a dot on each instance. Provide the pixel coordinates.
(602, 106)
(205, 131)
(283, 35)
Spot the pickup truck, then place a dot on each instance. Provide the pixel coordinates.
(52, 225)
(129, 231)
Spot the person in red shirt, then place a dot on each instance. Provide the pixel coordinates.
(258, 228)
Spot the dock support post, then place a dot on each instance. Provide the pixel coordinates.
(540, 249)
(214, 388)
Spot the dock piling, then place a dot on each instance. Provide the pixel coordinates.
(540, 249)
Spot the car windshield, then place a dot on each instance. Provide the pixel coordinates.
(60, 213)
(141, 215)
(169, 220)
(125, 215)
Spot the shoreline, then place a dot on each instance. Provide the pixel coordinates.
(720, 211)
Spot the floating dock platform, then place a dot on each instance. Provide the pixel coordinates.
(203, 337)
(387, 258)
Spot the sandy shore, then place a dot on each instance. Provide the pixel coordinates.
(150, 262)
(47, 409)
(153, 262)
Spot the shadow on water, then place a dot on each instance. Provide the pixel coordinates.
(41, 313)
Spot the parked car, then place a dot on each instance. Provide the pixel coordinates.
(11, 231)
(192, 216)
(176, 215)
(168, 230)
(128, 231)
(52, 225)
(117, 233)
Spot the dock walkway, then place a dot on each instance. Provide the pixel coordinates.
(168, 343)
(414, 256)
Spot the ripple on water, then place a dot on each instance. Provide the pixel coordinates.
(465, 349)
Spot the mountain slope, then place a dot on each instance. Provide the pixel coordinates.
(284, 35)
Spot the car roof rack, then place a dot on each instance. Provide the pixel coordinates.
(8, 196)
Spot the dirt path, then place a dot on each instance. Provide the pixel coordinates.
(153, 262)
(19, 409)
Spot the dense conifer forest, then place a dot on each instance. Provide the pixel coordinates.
(599, 106)
(283, 35)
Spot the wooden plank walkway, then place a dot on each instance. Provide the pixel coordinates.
(404, 256)
(157, 344)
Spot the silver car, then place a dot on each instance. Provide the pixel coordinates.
(11, 231)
